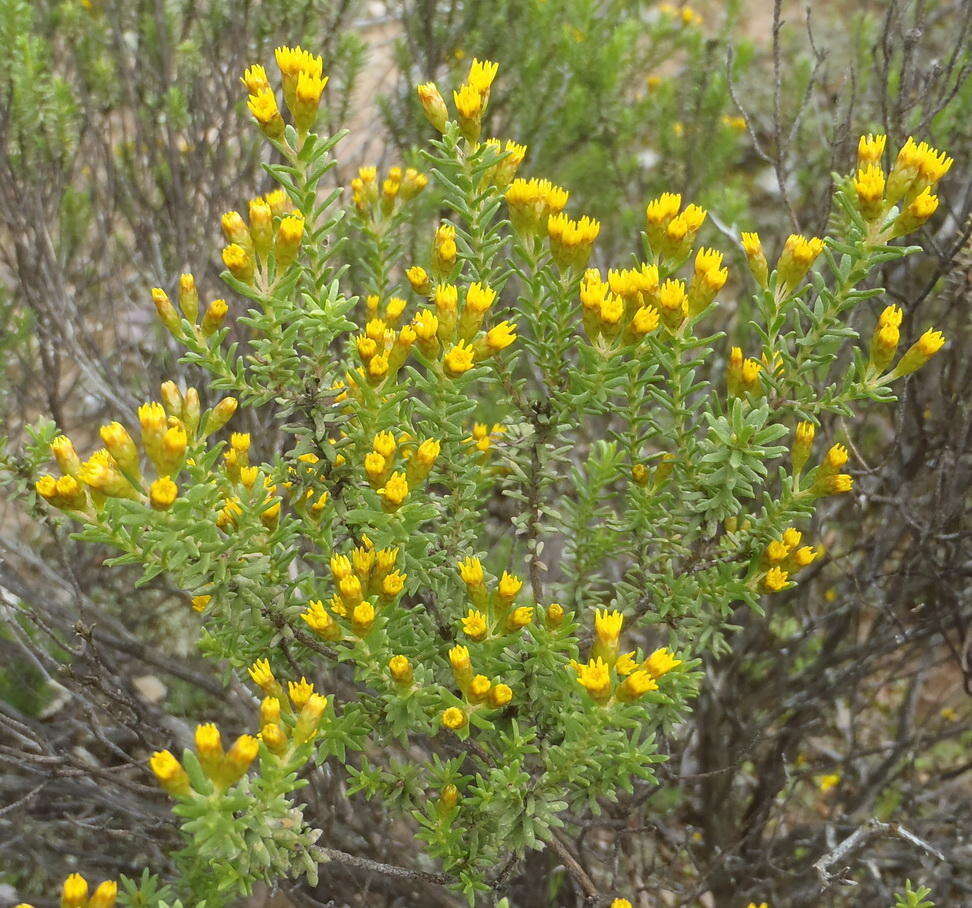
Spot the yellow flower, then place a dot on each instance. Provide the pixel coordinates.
(644, 321)
(340, 567)
(481, 75)
(798, 254)
(393, 584)
(828, 782)
(168, 770)
(571, 242)
(471, 571)
(607, 626)
(433, 105)
(470, 104)
(446, 298)
(555, 614)
(661, 211)
(269, 710)
(500, 336)
(401, 669)
(418, 277)
(394, 492)
(262, 675)
(428, 452)
(775, 579)
(459, 359)
(837, 456)
(870, 148)
(804, 555)
(255, 79)
(310, 87)
(478, 688)
(673, 302)
(239, 757)
(660, 662)
(238, 262)
(792, 537)
(620, 903)
(509, 586)
(300, 692)
(755, 258)
(500, 696)
(208, 742)
(919, 353)
(162, 493)
(288, 240)
(802, 443)
(776, 552)
(363, 617)
(521, 617)
(67, 458)
(531, 202)
(459, 659)
(320, 622)
(74, 892)
(105, 895)
(121, 447)
(384, 443)
(274, 737)
(453, 718)
(350, 590)
(474, 624)
(636, 685)
(199, 603)
(625, 664)
(263, 106)
(869, 185)
(595, 678)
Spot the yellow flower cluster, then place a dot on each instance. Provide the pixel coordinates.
(263, 249)
(288, 719)
(624, 309)
(471, 100)
(536, 207)
(685, 14)
(479, 691)
(493, 612)
(302, 75)
(663, 469)
(365, 580)
(742, 374)
(572, 241)
(115, 471)
(212, 319)
(500, 175)
(670, 229)
(379, 466)
(916, 171)
(799, 253)
(223, 768)
(381, 348)
(827, 479)
(75, 893)
(884, 345)
(397, 186)
(453, 336)
(531, 203)
(785, 556)
(610, 678)
(483, 437)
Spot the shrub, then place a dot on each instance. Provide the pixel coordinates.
(520, 497)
